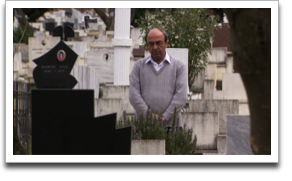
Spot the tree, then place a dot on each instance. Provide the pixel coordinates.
(35, 13)
(109, 21)
(186, 28)
(24, 30)
(250, 40)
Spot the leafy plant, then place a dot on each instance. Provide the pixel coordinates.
(186, 28)
(21, 34)
(144, 127)
(178, 140)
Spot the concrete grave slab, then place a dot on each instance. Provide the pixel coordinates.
(233, 87)
(223, 107)
(205, 126)
(238, 134)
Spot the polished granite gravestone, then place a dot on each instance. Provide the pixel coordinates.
(63, 121)
(238, 134)
(67, 31)
(50, 26)
(53, 68)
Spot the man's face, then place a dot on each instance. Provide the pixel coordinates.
(156, 45)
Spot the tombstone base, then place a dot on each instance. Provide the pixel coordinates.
(63, 123)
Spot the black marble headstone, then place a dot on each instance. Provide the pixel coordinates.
(53, 68)
(58, 31)
(68, 32)
(68, 24)
(63, 123)
(50, 26)
(65, 32)
(86, 18)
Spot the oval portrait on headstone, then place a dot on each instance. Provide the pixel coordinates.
(61, 55)
(106, 56)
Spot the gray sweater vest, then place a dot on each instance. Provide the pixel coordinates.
(162, 90)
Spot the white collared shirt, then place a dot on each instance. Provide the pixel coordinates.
(156, 66)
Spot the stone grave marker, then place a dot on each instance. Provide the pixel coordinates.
(238, 135)
(23, 48)
(50, 26)
(223, 107)
(102, 61)
(53, 69)
(63, 123)
(67, 31)
(37, 46)
(39, 34)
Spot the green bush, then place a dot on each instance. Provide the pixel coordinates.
(178, 141)
(21, 34)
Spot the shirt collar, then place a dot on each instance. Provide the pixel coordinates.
(167, 58)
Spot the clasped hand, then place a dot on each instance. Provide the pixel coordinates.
(156, 115)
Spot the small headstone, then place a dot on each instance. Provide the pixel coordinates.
(39, 34)
(68, 32)
(68, 24)
(23, 48)
(102, 61)
(100, 33)
(238, 135)
(76, 24)
(50, 26)
(53, 69)
(86, 18)
(58, 31)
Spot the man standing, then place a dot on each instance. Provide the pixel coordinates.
(159, 80)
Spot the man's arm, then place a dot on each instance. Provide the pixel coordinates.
(181, 93)
(135, 97)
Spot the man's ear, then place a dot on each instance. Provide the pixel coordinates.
(166, 43)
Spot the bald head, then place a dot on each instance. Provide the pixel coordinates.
(157, 30)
